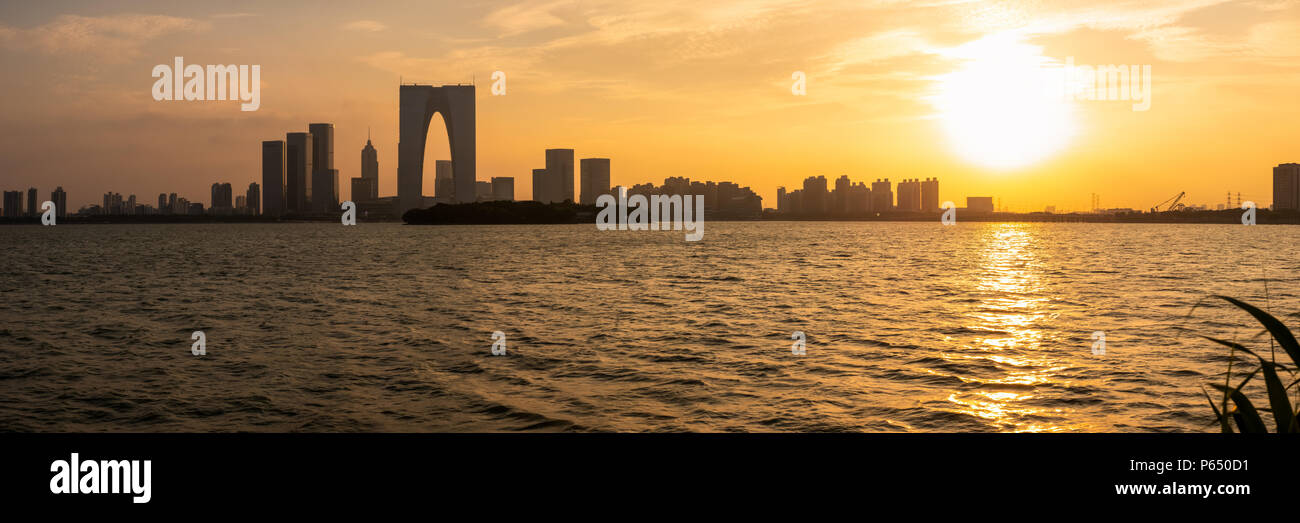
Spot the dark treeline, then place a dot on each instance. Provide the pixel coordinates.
(501, 212)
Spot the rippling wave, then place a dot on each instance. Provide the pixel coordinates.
(384, 327)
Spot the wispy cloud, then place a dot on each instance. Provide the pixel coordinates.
(369, 26)
(110, 38)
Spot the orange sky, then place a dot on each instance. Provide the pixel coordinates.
(663, 88)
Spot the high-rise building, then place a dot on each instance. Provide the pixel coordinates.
(60, 199)
(253, 198)
(594, 176)
(815, 195)
(241, 202)
(221, 197)
(362, 188)
(13, 204)
(31, 202)
(909, 195)
(162, 203)
(930, 195)
(297, 172)
(322, 146)
(503, 188)
(370, 171)
(417, 104)
(172, 206)
(859, 198)
(882, 196)
(324, 188)
(1286, 187)
(782, 200)
(325, 191)
(840, 196)
(482, 191)
(559, 172)
(273, 177)
(444, 184)
(540, 186)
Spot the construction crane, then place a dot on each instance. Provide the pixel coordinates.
(1174, 203)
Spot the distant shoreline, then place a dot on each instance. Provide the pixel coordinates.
(576, 215)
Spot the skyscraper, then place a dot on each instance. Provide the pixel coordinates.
(31, 202)
(539, 186)
(559, 172)
(930, 195)
(1286, 187)
(13, 204)
(370, 171)
(815, 195)
(253, 198)
(503, 188)
(909, 195)
(297, 172)
(882, 196)
(162, 203)
(221, 197)
(322, 148)
(594, 175)
(417, 104)
(60, 199)
(444, 185)
(841, 194)
(273, 177)
(362, 188)
(325, 191)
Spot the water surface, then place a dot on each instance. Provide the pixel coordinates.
(386, 327)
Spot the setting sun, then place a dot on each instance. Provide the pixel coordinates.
(997, 109)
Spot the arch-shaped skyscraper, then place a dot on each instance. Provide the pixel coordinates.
(418, 105)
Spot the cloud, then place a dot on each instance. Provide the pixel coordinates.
(111, 38)
(526, 17)
(369, 26)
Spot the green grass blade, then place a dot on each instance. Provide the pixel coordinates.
(1223, 421)
(1248, 420)
(1234, 345)
(1276, 328)
(1277, 398)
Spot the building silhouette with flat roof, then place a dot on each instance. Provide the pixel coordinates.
(60, 199)
(297, 172)
(930, 195)
(273, 178)
(1286, 187)
(559, 175)
(594, 179)
(503, 188)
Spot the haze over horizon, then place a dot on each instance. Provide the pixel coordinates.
(670, 88)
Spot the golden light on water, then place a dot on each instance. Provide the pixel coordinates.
(1012, 303)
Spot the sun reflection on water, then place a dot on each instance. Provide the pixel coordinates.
(1012, 304)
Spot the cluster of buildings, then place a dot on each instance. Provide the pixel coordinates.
(169, 204)
(554, 183)
(298, 174)
(721, 199)
(14, 205)
(444, 186)
(849, 198)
